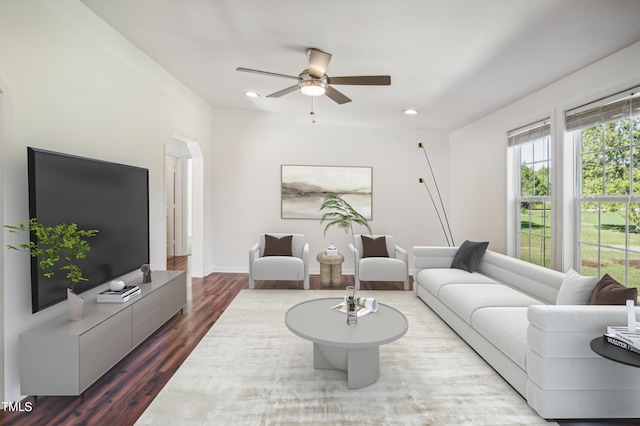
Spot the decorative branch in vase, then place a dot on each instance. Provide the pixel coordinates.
(448, 235)
(51, 245)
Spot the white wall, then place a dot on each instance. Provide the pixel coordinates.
(249, 149)
(72, 85)
(478, 177)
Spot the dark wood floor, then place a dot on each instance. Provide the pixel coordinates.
(121, 395)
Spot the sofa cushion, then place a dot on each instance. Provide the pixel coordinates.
(274, 246)
(434, 279)
(576, 289)
(469, 255)
(283, 267)
(374, 247)
(376, 269)
(465, 299)
(608, 291)
(506, 329)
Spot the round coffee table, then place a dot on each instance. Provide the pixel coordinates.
(338, 346)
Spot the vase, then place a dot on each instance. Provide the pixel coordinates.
(352, 306)
(76, 304)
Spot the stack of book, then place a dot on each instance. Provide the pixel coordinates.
(118, 296)
(621, 337)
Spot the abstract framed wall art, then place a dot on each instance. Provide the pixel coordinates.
(304, 187)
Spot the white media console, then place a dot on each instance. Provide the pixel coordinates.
(64, 357)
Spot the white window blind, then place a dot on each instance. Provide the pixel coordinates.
(530, 132)
(615, 107)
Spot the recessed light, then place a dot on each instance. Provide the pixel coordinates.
(410, 111)
(252, 94)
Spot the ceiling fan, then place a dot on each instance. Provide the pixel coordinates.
(314, 82)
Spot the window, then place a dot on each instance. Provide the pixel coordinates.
(607, 141)
(531, 147)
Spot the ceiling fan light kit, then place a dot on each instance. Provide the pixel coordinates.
(310, 86)
(314, 82)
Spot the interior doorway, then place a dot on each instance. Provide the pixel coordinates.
(178, 177)
(184, 201)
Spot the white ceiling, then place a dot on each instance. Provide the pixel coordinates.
(453, 60)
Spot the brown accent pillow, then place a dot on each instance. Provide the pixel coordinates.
(374, 247)
(274, 246)
(608, 291)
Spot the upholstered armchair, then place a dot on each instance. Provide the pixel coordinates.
(377, 258)
(279, 257)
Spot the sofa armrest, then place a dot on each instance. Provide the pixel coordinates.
(356, 258)
(432, 257)
(354, 251)
(305, 258)
(254, 253)
(402, 254)
(559, 318)
(565, 331)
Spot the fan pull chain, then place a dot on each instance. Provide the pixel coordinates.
(313, 114)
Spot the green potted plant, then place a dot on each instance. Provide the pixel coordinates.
(58, 247)
(340, 213)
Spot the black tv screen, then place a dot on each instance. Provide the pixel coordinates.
(112, 198)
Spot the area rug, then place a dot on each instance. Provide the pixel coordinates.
(251, 370)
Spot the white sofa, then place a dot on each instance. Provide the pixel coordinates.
(506, 312)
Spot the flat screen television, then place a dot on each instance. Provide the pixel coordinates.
(94, 194)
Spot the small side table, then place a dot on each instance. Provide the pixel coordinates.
(606, 350)
(330, 268)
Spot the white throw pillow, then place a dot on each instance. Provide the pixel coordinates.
(576, 289)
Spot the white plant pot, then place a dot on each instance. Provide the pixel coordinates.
(76, 304)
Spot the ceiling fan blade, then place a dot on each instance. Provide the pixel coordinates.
(318, 62)
(362, 80)
(284, 92)
(272, 74)
(336, 96)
